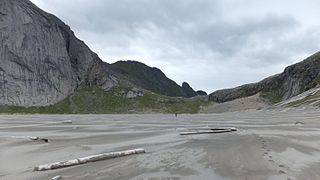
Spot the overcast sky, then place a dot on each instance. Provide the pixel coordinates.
(211, 44)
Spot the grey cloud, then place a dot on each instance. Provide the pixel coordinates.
(110, 15)
(227, 39)
(203, 42)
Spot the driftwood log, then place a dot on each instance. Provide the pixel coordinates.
(205, 132)
(213, 128)
(93, 158)
(208, 131)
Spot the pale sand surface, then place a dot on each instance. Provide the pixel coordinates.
(267, 146)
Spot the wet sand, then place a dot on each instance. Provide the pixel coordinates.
(267, 146)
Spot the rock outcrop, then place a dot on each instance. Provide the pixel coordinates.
(188, 90)
(295, 79)
(201, 93)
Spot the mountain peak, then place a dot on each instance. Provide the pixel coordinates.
(188, 89)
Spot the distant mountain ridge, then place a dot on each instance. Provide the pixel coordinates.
(43, 62)
(295, 80)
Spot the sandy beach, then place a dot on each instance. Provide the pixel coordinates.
(267, 146)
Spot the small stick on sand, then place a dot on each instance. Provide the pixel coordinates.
(39, 139)
(56, 177)
(93, 158)
(33, 138)
(298, 123)
(67, 122)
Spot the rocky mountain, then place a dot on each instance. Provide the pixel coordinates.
(42, 61)
(295, 80)
(188, 90)
(152, 79)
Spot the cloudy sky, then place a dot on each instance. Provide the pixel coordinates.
(211, 44)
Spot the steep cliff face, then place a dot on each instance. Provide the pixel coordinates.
(301, 77)
(41, 60)
(35, 67)
(295, 79)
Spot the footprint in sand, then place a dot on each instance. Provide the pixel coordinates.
(270, 158)
(282, 172)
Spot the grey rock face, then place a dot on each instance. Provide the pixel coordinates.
(132, 93)
(34, 63)
(102, 76)
(295, 80)
(188, 90)
(41, 60)
(201, 93)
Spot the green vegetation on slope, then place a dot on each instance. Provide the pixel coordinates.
(93, 100)
(311, 98)
(272, 95)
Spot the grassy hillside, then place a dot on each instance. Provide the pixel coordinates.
(310, 99)
(272, 95)
(93, 100)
